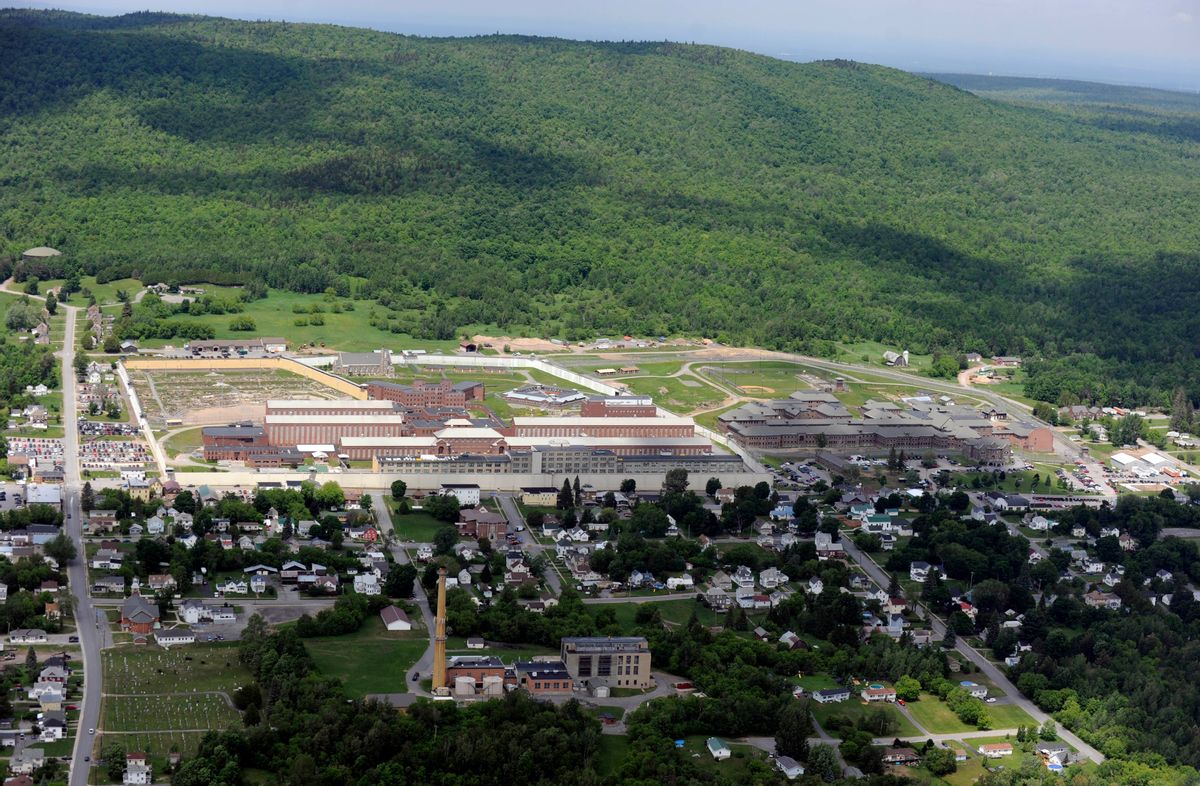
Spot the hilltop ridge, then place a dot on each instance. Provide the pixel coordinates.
(565, 188)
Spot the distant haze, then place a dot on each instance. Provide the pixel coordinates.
(1143, 42)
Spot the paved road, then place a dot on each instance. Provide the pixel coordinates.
(86, 619)
(986, 666)
(511, 512)
(424, 664)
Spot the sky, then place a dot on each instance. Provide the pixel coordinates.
(1141, 42)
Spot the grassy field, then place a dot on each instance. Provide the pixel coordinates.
(456, 645)
(1008, 716)
(935, 715)
(672, 611)
(168, 713)
(613, 750)
(104, 293)
(184, 442)
(348, 331)
(678, 394)
(1009, 762)
(155, 744)
(416, 526)
(813, 682)
(150, 670)
(762, 379)
(871, 353)
(1013, 481)
(855, 709)
(372, 660)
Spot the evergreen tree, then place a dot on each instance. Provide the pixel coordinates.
(578, 496)
(1181, 411)
(793, 730)
(87, 497)
(31, 664)
(566, 497)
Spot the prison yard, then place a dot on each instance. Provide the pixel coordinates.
(205, 397)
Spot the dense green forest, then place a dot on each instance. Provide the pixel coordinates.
(568, 188)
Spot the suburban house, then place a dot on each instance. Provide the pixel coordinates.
(790, 768)
(919, 571)
(996, 750)
(831, 695)
(900, 756)
(873, 694)
(717, 747)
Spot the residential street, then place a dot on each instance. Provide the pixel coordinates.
(424, 665)
(86, 619)
(879, 576)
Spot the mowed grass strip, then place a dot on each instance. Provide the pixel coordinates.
(371, 660)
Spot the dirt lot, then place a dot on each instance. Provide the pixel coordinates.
(208, 397)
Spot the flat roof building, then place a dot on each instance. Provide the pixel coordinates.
(615, 661)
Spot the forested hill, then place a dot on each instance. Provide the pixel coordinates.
(565, 188)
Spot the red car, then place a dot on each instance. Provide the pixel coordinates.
(72, 706)
(900, 702)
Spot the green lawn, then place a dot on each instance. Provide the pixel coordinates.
(855, 709)
(678, 394)
(457, 645)
(613, 750)
(814, 682)
(1009, 762)
(184, 442)
(417, 526)
(1008, 716)
(348, 331)
(676, 611)
(155, 744)
(937, 718)
(372, 660)
(762, 379)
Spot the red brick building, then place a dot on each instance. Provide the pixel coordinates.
(481, 523)
(544, 679)
(619, 407)
(138, 615)
(427, 394)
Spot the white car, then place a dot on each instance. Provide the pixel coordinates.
(991, 700)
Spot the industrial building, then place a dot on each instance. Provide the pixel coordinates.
(613, 661)
(818, 420)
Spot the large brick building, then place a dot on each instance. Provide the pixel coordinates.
(615, 661)
(619, 407)
(422, 394)
(663, 426)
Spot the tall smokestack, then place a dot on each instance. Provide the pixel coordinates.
(439, 642)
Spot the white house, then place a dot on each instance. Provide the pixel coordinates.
(466, 493)
(717, 747)
(772, 578)
(919, 571)
(790, 768)
(367, 584)
(815, 586)
(683, 582)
